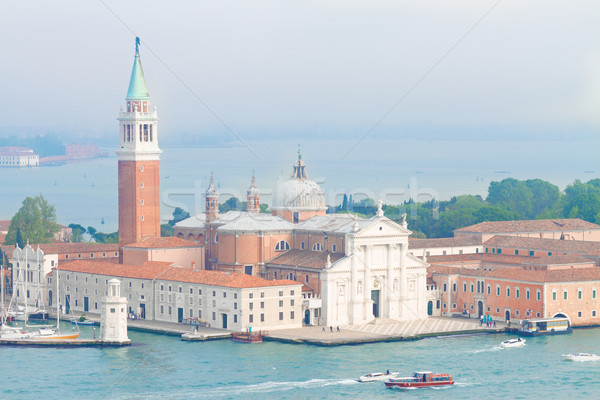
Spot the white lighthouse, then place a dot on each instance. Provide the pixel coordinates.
(113, 328)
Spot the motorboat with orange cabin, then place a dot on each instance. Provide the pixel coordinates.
(420, 379)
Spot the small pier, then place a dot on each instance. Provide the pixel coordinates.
(62, 343)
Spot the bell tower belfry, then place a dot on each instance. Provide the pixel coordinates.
(138, 155)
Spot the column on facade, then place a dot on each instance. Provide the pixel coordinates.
(355, 296)
(402, 282)
(367, 282)
(390, 294)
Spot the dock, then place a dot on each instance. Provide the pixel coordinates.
(61, 343)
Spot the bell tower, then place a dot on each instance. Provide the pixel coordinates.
(253, 198)
(212, 202)
(138, 155)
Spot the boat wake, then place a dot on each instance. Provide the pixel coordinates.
(267, 387)
(495, 348)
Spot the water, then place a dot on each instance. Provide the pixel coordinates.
(394, 170)
(164, 367)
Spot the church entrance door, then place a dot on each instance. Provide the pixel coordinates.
(375, 298)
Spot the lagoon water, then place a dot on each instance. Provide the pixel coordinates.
(164, 367)
(394, 170)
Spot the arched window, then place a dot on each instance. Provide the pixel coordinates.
(317, 247)
(282, 245)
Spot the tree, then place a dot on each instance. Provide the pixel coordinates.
(345, 203)
(512, 194)
(166, 230)
(78, 232)
(264, 208)
(36, 220)
(179, 214)
(232, 204)
(19, 239)
(92, 232)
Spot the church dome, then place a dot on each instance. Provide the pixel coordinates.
(299, 193)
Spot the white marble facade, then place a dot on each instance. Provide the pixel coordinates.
(376, 279)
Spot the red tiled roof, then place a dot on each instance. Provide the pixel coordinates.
(414, 243)
(4, 224)
(508, 260)
(529, 243)
(168, 272)
(529, 275)
(163, 243)
(62, 248)
(542, 225)
(304, 259)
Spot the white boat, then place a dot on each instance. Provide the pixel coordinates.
(581, 357)
(377, 376)
(519, 342)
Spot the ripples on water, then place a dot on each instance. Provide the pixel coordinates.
(167, 368)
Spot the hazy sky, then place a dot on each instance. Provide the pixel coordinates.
(329, 68)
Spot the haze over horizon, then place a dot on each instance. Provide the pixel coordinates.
(228, 71)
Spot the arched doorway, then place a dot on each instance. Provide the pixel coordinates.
(480, 309)
(430, 307)
(180, 235)
(191, 237)
(507, 315)
(561, 315)
(306, 317)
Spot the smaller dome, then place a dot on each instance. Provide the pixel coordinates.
(299, 193)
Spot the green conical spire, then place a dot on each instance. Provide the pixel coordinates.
(137, 84)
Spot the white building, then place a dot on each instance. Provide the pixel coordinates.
(18, 157)
(30, 268)
(163, 291)
(377, 278)
(113, 326)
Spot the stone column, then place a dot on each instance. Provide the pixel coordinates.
(367, 282)
(390, 294)
(402, 283)
(355, 298)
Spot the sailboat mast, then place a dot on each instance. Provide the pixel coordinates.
(26, 279)
(57, 298)
(3, 305)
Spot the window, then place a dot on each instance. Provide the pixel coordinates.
(578, 314)
(250, 318)
(489, 289)
(497, 290)
(180, 289)
(444, 287)
(444, 252)
(292, 315)
(162, 287)
(499, 251)
(516, 252)
(317, 247)
(281, 316)
(292, 302)
(142, 185)
(531, 253)
(141, 168)
(262, 304)
(549, 253)
(465, 287)
(517, 292)
(507, 291)
(66, 256)
(302, 245)
(250, 295)
(538, 295)
(280, 293)
(593, 293)
(170, 288)
(486, 249)
(214, 316)
(280, 303)
(191, 313)
(579, 294)
(527, 294)
(593, 313)
(235, 318)
(497, 309)
(224, 294)
(170, 310)
(235, 306)
(494, 250)
(454, 287)
(262, 317)
(306, 278)
(334, 249)
(262, 295)
(554, 295)
(234, 295)
(565, 296)
(251, 305)
(215, 294)
(472, 288)
(453, 305)
(142, 202)
(191, 291)
(291, 292)
(282, 245)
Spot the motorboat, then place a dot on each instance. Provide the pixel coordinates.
(420, 380)
(377, 376)
(581, 357)
(519, 342)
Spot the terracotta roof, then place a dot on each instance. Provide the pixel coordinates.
(4, 224)
(414, 243)
(62, 248)
(569, 259)
(304, 259)
(542, 225)
(166, 271)
(163, 243)
(518, 273)
(529, 243)
(508, 260)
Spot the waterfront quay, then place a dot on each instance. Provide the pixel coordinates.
(378, 331)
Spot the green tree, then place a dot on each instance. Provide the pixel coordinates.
(166, 230)
(232, 204)
(92, 232)
(19, 239)
(546, 196)
(512, 194)
(179, 214)
(264, 208)
(344, 203)
(36, 220)
(78, 232)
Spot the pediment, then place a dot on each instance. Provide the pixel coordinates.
(381, 227)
